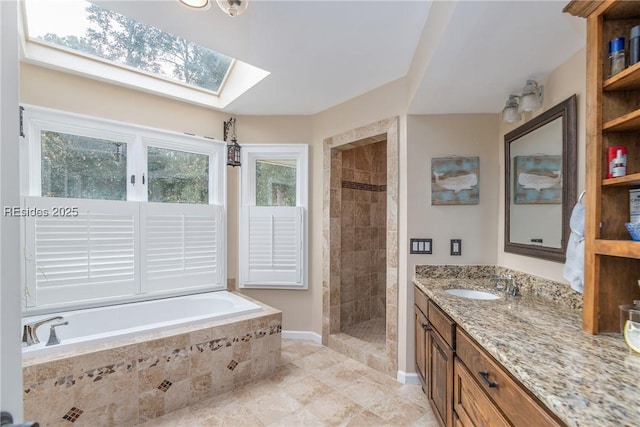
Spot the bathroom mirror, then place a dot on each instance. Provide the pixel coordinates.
(540, 183)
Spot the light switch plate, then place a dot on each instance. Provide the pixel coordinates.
(420, 246)
(456, 247)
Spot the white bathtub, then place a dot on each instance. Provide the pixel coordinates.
(102, 324)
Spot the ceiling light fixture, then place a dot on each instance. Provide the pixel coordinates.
(530, 100)
(233, 7)
(196, 4)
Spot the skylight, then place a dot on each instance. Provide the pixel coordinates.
(91, 30)
(85, 39)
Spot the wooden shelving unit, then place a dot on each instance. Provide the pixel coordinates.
(612, 259)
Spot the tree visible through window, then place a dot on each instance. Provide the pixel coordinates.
(123, 40)
(275, 183)
(80, 167)
(177, 176)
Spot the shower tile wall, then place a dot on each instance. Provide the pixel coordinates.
(363, 234)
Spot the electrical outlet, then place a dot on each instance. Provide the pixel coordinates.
(420, 246)
(456, 247)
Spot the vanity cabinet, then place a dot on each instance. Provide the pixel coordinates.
(434, 355)
(464, 385)
(612, 260)
(440, 356)
(486, 395)
(421, 326)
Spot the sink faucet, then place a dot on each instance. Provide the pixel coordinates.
(29, 336)
(507, 284)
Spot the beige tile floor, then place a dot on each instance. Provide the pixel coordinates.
(315, 386)
(372, 332)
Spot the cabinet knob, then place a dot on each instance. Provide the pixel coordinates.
(425, 327)
(485, 377)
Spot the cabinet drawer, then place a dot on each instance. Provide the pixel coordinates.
(515, 402)
(442, 323)
(420, 299)
(471, 404)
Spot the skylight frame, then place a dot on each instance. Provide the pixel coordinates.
(239, 77)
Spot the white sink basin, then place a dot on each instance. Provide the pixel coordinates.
(473, 294)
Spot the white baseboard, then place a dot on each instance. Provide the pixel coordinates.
(302, 335)
(408, 378)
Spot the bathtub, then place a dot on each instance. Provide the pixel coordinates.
(178, 351)
(103, 324)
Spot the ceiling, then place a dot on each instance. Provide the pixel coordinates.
(469, 55)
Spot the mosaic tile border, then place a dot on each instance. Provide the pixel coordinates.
(366, 187)
(137, 383)
(100, 373)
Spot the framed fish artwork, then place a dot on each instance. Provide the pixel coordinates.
(455, 181)
(538, 180)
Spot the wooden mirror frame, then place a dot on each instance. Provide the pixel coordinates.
(567, 111)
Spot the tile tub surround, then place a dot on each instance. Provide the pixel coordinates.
(133, 380)
(586, 380)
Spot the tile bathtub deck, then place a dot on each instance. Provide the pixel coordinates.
(315, 386)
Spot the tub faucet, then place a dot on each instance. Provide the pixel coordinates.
(29, 336)
(53, 338)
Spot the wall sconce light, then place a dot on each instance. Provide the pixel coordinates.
(233, 148)
(510, 114)
(530, 100)
(233, 7)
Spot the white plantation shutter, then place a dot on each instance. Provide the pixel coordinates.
(182, 246)
(273, 247)
(93, 255)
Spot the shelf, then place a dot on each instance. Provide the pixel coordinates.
(624, 181)
(628, 79)
(628, 123)
(619, 248)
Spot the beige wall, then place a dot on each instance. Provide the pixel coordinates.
(566, 80)
(52, 89)
(453, 135)
(296, 305)
(421, 137)
(431, 136)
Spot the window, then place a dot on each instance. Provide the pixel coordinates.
(111, 36)
(118, 212)
(273, 216)
(97, 42)
(177, 176)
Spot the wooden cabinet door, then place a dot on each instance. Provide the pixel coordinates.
(472, 406)
(421, 331)
(440, 378)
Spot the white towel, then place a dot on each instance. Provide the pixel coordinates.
(574, 265)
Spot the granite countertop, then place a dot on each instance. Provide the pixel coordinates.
(586, 380)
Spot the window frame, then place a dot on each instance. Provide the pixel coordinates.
(37, 119)
(249, 155)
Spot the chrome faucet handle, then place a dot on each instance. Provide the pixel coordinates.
(498, 282)
(53, 338)
(513, 288)
(29, 336)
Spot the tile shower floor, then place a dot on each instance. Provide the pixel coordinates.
(372, 332)
(315, 386)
